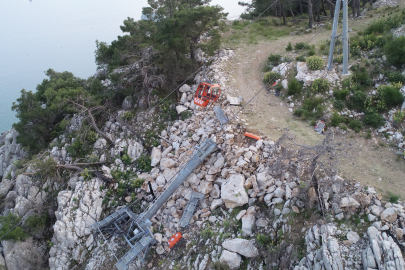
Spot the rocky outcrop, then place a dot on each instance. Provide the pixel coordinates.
(27, 255)
(77, 211)
(243, 247)
(9, 152)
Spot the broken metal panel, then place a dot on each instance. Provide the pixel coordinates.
(191, 205)
(206, 148)
(220, 115)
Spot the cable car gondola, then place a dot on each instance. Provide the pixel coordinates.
(207, 92)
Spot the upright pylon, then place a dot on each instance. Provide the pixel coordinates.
(334, 36)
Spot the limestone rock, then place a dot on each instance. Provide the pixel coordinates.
(264, 180)
(243, 247)
(349, 202)
(216, 203)
(389, 215)
(232, 259)
(248, 221)
(127, 104)
(25, 255)
(233, 192)
(155, 156)
(353, 237)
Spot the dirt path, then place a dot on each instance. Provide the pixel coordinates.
(367, 161)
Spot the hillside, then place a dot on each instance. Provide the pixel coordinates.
(96, 174)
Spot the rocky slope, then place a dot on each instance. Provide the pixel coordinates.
(262, 207)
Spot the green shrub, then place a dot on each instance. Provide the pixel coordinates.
(289, 47)
(342, 94)
(355, 125)
(393, 198)
(274, 59)
(314, 62)
(127, 115)
(300, 58)
(91, 137)
(395, 77)
(7, 223)
(126, 159)
(185, 115)
(373, 119)
(144, 163)
(398, 117)
(360, 76)
(271, 77)
(338, 59)
(356, 102)
(300, 45)
(338, 104)
(394, 49)
(36, 223)
(336, 119)
(311, 52)
(78, 149)
(294, 87)
(390, 95)
(320, 85)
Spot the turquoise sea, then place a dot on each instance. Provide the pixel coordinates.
(36, 35)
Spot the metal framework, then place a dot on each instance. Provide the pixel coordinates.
(221, 116)
(191, 205)
(136, 228)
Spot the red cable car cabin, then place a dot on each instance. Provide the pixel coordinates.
(207, 92)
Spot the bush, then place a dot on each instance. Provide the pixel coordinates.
(300, 58)
(373, 119)
(271, 77)
(342, 94)
(289, 47)
(393, 198)
(7, 223)
(185, 115)
(144, 163)
(398, 117)
(294, 87)
(320, 86)
(356, 102)
(338, 59)
(361, 77)
(300, 45)
(314, 62)
(274, 59)
(336, 119)
(311, 52)
(394, 49)
(355, 125)
(395, 77)
(390, 95)
(338, 104)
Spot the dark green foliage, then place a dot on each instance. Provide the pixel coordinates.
(342, 94)
(79, 148)
(338, 104)
(185, 115)
(143, 163)
(294, 87)
(311, 52)
(395, 77)
(220, 266)
(373, 119)
(393, 198)
(336, 119)
(311, 109)
(274, 59)
(36, 222)
(301, 45)
(355, 125)
(264, 239)
(289, 47)
(300, 58)
(126, 159)
(394, 49)
(320, 86)
(7, 223)
(360, 76)
(270, 77)
(356, 102)
(390, 95)
(36, 124)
